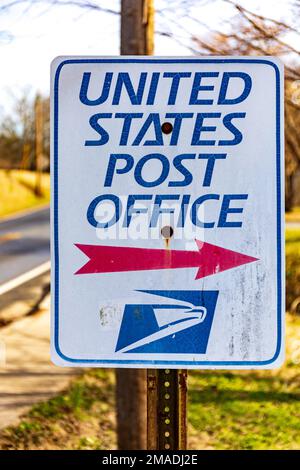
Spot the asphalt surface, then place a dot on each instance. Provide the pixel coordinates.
(24, 243)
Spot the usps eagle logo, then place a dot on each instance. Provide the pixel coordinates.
(181, 325)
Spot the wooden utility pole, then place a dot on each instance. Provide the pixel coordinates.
(137, 27)
(38, 144)
(137, 38)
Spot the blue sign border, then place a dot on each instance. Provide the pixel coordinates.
(55, 217)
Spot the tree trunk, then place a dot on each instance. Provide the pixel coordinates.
(131, 385)
(131, 409)
(137, 27)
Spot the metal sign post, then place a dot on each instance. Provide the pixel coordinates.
(166, 391)
(166, 409)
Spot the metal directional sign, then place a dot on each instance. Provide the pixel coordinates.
(167, 212)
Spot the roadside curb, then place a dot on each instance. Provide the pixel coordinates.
(24, 300)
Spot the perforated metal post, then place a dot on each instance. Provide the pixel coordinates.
(166, 390)
(166, 409)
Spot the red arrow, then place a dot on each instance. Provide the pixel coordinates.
(210, 259)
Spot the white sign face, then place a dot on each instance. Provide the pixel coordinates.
(167, 212)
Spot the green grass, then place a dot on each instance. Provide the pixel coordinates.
(17, 191)
(244, 412)
(227, 410)
(292, 266)
(248, 410)
(82, 417)
(292, 238)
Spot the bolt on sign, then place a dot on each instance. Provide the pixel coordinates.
(167, 212)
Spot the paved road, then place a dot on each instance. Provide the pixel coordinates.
(24, 244)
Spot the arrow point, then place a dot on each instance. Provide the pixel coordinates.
(218, 259)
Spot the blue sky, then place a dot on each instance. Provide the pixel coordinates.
(34, 36)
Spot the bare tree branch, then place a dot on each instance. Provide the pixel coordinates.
(78, 3)
(263, 18)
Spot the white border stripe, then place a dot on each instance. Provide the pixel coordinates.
(28, 276)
